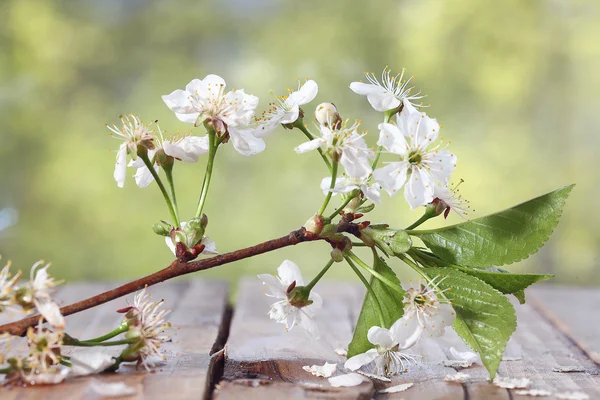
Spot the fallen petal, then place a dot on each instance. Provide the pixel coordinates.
(108, 389)
(397, 388)
(325, 370)
(376, 377)
(512, 383)
(459, 377)
(457, 363)
(463, 355)
(347, 380)
(341, 352)
(533, 392)
(88, 362)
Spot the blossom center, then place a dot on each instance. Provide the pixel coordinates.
(415, 157)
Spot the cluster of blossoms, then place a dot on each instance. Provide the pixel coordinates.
(47, 361)
(419, 165)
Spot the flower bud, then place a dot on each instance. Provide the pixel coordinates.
(337, 255)
(194, 230)
(314, 224)
(327, 115)
(366, 209)
(391, 241)
(299, 297)
(163, 228)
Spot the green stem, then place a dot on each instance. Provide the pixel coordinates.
(6, 370)
(359, 244)
(301, 126)
(378, 308)
(376, 274)
(418, 222)
(331, 186)
(212, 152)
(386, 118)
(320, 275)
(66, 363)
(161, 187)
(122, 328)
(103, 344)
(344, 204)
(169, 173)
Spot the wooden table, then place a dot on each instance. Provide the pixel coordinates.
(223, 355)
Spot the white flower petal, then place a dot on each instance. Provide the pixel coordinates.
(209, 246)
(418, 191)
(459, 377)
(511, 383)
(276, 288)
(325, 370)
(187, 149)
(310, 145)
(347, 380)
(365, 88)
(397, 389)
(380, 337)
(88, 362)
(290, 116)
(51, 312)
(383, 101)
(121, 165)
(354, 363)
(406, 331)
(245, 142)
(391, 177)
(179, 102)
(110, 389)
(439, 319)
(289, 272)
(392, 139)
(304, 95)
(463, 355)
(143, 177)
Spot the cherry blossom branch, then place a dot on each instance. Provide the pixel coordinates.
(176, 268)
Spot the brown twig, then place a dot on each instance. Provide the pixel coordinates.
(177, 268)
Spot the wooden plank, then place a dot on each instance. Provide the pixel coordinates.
(199, 308)
(262, 360)
(574, 311)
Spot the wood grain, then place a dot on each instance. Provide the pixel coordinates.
(574, 311)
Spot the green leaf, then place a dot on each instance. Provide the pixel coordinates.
(485, 318)
(391, 303)
(502, 238)
(520, 295)
(504, 281)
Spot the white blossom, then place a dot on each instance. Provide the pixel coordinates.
(90, 361)
(346, 184)
(189, 238)
(134, 133)
(286, 109)
(387, 357)
(347, 144)
(44, 345)
(110, 389)
(41, 289)
(282, 311)
(447, 199)
(186, 149)
(147, 324)
(206, 99)
(7, 286)
(422, 164)
(388, 94)
(424, 312)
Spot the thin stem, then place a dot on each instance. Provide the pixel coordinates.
(359, 244)
(212, 152)
(344, 204)
(121, 329)
(376, 274)
(301, 126)
(331, 186)
(320, 275)
(169, 173)
(161, 187)
(79, 343)
(418, 222)
(386, 118)
(370, 290)
(6, 370)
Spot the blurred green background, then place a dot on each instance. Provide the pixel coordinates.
(515, 85)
